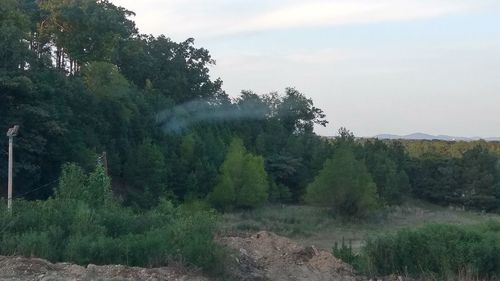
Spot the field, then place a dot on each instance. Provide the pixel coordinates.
(315, 226)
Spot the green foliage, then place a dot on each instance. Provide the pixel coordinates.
(13, 27)
(71, 183)
(437, 251)
(478, 176)
(345, 253)
(344, 185)
(387, 166)
(243, 180)
(470, 181)
(104, 80)
(90, 30)
(94, 189)
(447, 149)
(279, 193)
(80, 80)
(297, 113)
(296, 221)
(146, 171)
(82, 224)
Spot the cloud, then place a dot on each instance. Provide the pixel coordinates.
(203, 18)
(321, 13)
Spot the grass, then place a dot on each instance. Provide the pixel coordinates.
(436, 251)
(316, 226)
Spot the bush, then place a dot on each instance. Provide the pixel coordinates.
(72, 227)
(440, 251)
(345, 253)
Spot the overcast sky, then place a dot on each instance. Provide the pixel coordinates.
(373, 66)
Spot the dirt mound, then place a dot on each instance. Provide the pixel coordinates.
(33, 269)
(267, 256)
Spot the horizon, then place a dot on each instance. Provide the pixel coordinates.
(433, 135)
(385, 67)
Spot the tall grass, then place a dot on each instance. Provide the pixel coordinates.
(436, 252)
(291, 221)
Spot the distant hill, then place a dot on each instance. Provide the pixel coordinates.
(422, 136)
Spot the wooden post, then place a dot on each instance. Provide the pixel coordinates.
(11, 133)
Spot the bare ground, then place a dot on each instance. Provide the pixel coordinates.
(267, 256)
(34, 269)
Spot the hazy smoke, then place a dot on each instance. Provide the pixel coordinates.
(183, 116)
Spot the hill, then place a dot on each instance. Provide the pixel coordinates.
(423, 136)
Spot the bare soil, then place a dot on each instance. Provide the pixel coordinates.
(34, 269)
(267, 256)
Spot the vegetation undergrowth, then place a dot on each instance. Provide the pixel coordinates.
(83, 224)
(437, 251)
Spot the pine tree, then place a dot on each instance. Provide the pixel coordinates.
(242, 181)
(344, 185)
(254, 186)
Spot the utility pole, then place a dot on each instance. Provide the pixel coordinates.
(11, 133)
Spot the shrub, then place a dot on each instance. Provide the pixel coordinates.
(94, 189)
(76, 226)
(441, 251)
(345, 253)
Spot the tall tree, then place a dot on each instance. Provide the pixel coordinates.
(298, 113)
(243, 180)
(344, 185)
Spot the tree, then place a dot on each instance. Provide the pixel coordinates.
(79, 80)
(13, 34)
(105, 80)
(146, 171)
(254, 188)
(94, 189)
(479, 189)
(71, 182)
(298, 113)
(242, 181)
(345, 136)
(84, 30)
(344, 185)
(391, 180)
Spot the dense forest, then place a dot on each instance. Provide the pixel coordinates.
(81, 81)
(87, 88)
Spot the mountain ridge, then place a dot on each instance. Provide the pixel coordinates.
(424, 136)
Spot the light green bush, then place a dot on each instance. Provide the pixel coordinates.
(76, 226)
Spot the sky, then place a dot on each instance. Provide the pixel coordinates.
(373, 66)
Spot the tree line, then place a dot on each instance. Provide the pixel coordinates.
(81, 80)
